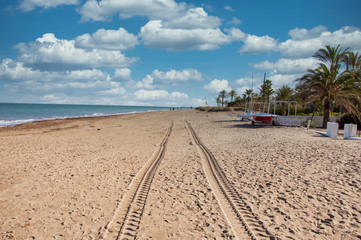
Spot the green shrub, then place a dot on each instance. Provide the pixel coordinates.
(213, 109)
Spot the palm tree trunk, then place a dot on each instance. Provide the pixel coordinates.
(326, 113)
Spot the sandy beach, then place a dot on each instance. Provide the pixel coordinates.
(69, 179)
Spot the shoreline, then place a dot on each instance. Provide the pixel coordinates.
(18, 113)
(25, 121)
(46, 122)
(67, 178)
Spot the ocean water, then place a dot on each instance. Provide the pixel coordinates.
(17, 113)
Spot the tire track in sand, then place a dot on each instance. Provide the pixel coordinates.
(126, 220)
(244, 223)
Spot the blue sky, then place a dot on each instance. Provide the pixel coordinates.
(162, 52)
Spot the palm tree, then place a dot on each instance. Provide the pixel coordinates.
(218, 100)
(331, 56)
(352, 77)
(353, 65)
(284, 93)
(232, 94)
(328, 84)
(247, 95)
(266, 90)
(223, 95)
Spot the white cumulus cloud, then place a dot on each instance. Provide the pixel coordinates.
(147, 82)
(304, 43)
(155, 35)
(153, 9)
(49, 53)
(254, 44)
(15, 71)
(297, 51)
(86, 83)
(177, 76)
(284, 79)
(172, 26)
(122, 74)
(288, 65)
(113, 91)
(194, 18)
(107, 39)
(300, 49)
(245, 81)
(159, 95)
(303, 33)
(172, 77)
(215, 86)
(29, 5)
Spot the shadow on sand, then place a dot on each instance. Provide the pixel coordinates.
(246, 125)
(226, 121)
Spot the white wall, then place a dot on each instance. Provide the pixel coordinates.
(301, 120)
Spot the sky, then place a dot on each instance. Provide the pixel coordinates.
(163, 52)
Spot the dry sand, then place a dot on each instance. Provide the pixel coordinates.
(65, 179)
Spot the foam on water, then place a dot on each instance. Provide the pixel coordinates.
(18, 113)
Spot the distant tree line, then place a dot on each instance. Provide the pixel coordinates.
(334, 83)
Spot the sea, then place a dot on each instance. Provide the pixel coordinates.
(18, 113)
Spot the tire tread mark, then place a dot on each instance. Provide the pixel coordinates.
(127, 217)
(237, 211)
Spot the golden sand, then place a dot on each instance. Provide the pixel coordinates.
(67, 179)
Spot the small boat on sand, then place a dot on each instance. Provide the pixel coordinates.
(263, 117)
(259, 117)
